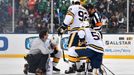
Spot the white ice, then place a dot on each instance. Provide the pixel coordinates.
(14, 66)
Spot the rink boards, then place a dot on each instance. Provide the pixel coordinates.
(117, 46)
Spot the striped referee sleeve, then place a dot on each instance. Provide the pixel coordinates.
(97, 19)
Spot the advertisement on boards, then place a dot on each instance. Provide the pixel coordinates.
(119, 44)
(3, 43)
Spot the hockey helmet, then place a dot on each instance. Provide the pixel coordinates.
(84, 2)
(55, 39)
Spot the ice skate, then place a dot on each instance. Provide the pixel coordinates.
(71, 69)
(25, 69)
(56, 69)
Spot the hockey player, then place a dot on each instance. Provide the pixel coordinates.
(94, 47)
(92, 35)
(96, 24)
(56, 54)
(76, 14)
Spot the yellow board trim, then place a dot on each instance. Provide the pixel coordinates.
(12, 55)
(105, 56)
(119, 56)
(115, 56)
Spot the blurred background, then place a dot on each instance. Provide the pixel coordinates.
(31, 16)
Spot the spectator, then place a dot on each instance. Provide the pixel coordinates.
(104, 23)
(41, 7)
(121, 20)
(10, 10)
(131, 26)
(39, 28)
(20, 28)
(56, 22)
(1, 29)
(31, 6)
(113, 25)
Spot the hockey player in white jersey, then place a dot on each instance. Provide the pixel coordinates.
(93, 37)
(76, 14)
(94, 47)
(95, 24)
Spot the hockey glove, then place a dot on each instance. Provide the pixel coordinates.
(82, 39)
(54, 52)
(82, 42)
(61, 30)
(52, 45)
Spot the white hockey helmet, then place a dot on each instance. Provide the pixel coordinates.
(81, 34)
(55, 39)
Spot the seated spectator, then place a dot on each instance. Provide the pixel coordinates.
(20, 28)
(1, 29)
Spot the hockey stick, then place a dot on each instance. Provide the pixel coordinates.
(103, 70)
(108, 70)
(86, 68)
(63, 53)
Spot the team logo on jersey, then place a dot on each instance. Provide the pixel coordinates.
(28, 42)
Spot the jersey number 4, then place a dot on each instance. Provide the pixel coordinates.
(82, 16)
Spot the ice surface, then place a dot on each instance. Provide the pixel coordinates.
(14, 66)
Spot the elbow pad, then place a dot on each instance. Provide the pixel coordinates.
(68, 19)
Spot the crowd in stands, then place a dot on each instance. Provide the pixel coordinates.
(114, 13)
(131, 18)
(5, 14)
(31, 16)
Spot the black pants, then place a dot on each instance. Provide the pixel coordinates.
(37, 61)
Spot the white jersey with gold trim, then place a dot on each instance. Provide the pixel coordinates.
(94, 40)
(76, 14)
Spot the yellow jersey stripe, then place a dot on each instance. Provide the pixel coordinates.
(80, 48)
(71, 40)
(96, 47)
(70, 13)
